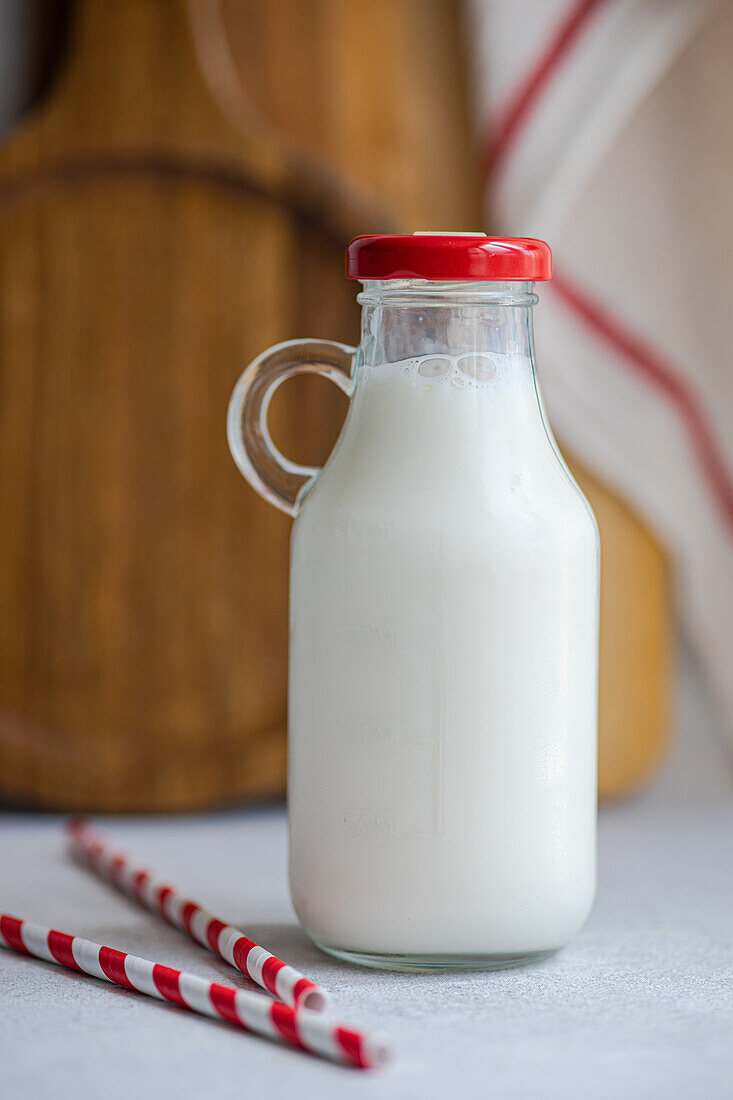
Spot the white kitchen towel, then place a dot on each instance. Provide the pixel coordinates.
(607, 130)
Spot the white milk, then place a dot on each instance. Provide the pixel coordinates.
(444, 597)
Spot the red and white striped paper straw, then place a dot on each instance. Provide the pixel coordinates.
(285, 982)
(311, 1031)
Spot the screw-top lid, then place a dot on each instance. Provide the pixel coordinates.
(449, 256)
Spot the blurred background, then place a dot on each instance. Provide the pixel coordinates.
(178, 182)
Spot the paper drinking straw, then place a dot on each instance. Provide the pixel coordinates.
(92, 848)
(311, 1031)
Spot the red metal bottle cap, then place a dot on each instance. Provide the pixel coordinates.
(449, 256)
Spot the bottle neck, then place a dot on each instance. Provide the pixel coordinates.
(445, 386)
(407, 318)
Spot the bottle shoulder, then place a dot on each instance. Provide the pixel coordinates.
(477, 464)
(554, 511)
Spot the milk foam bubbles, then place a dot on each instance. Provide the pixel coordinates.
(444, 595)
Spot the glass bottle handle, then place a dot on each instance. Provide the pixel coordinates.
(275, 477)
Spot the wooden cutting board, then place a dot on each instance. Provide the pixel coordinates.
(179, 202)
(147, 252)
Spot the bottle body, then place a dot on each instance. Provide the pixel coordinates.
(443, 659)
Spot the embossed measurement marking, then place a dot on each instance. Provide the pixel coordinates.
(369, 825)
(394, 786)
(363, 527)
(368, 635)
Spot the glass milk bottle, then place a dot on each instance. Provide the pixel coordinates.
(443, 623)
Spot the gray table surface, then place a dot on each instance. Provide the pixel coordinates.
(640, 1004)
